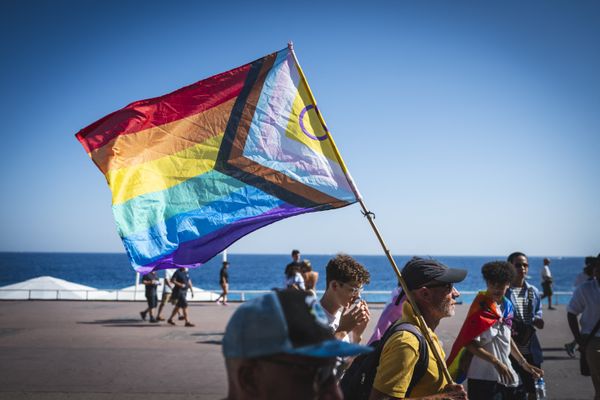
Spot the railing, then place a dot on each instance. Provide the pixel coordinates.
(371, 296)
(383, 296)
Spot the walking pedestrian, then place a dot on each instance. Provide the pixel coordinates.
(432, 287)
(182, 282)
(150, 281)
(483, 346)
(224, 283)
(528, 317)
(547, 282)
(584, 302)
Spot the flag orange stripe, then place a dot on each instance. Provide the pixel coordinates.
(158, 142)
(182, 103)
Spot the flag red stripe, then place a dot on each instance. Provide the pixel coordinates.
(179, 104)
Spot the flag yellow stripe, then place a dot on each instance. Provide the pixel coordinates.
(163, 173)
(158, 141)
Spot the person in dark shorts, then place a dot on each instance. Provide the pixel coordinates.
(181, 283)
(547, 283)
(150, 280)
(224, 282)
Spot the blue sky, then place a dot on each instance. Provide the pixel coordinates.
(471, 128)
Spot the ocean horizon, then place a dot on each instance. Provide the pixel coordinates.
(112, 271)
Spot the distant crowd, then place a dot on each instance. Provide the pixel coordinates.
(290, 345)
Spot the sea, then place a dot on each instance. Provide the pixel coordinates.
(248, 272)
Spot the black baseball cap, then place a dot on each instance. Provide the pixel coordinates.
(420, 271)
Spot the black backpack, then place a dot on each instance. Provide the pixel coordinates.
(357, 382)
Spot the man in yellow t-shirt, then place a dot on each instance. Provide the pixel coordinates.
(431, 284)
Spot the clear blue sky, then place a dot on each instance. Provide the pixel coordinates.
(471, 128)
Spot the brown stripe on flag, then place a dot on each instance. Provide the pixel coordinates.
(276, 179)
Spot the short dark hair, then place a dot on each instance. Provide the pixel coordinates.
(498, 272)
(343, 268)
(295, 252)
(514, 255)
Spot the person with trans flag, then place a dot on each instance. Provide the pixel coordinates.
(483, 346)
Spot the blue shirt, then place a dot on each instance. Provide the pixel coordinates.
(181, 277)
(535, 349)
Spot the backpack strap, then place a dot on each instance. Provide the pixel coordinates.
(423, 361)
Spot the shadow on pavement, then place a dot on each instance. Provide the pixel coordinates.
(210, 337)
(124, 323)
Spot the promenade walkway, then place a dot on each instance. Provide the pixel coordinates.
(102, 350)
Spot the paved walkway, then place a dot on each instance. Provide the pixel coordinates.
(102, 350)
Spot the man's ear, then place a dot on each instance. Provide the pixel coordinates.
(422, 293)
(249, 379)
(334, 285)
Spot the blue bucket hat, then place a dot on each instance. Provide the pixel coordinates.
(283, 322)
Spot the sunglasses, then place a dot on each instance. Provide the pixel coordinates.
(448, 286)
(321, 373)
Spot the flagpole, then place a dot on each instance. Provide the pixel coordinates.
(370, 218)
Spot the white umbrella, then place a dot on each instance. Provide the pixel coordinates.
(48, 287)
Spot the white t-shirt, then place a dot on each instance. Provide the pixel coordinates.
(168, 275)
(546, 274)
(496, 341)
(333, 320)
(586, 301)
(297, 280)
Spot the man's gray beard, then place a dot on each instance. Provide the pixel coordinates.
(447, 310)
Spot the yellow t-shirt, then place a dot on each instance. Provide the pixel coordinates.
(399, 358)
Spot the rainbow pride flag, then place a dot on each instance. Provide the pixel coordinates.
(195, 170)
(482, 315)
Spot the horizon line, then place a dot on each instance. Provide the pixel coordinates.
(308, 253)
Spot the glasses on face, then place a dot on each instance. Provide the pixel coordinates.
(321, 374)
(448, 286)
(355, 290)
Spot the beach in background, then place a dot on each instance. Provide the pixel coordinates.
(112, 271)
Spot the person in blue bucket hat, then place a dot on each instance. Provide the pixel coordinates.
(279, 346)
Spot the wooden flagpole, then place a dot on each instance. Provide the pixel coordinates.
(370, 218)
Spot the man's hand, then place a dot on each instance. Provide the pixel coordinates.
(538, 323)
(353, 317)
(361, 326)
(534, 371)
(505, 375)
(454, 392)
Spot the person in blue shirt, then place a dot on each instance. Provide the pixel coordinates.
(528, 317)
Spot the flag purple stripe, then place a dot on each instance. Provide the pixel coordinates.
(196, 252)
